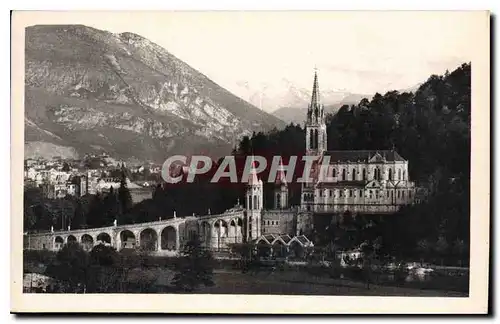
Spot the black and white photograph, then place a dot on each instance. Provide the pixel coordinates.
(270, 153)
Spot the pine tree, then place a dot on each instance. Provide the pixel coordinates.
(95, 213)
(111, 207)
(124, 196)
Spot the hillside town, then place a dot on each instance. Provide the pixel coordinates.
(93, 174)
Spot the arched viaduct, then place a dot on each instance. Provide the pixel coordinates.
(165, 237)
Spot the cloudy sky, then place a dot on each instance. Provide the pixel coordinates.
(359, 52)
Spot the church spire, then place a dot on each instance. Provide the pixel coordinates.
(315, 122)
(315, 92)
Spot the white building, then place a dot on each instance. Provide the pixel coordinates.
(374, 181)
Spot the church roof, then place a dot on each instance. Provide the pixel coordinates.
(343, 184)
(364, 156)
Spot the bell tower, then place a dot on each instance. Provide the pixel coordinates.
(280, 189)
(315, 123)
(254, 202)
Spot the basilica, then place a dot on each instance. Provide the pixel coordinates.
(356, 182)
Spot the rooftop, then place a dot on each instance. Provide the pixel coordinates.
(364, 156)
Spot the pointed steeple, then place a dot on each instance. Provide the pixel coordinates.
(315, 122)
(315, 92)
(254, 179)
(281, 178)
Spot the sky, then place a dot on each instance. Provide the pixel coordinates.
(359, 52)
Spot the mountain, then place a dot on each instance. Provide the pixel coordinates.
(283, 93)
(297, 114)
(89, 91)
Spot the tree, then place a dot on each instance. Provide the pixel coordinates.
(124, 196)
(111, 207)
(71, 267)
(95, 213)
(441, 245)
(195, 268)
(459, 250)
(65, 167)
(78, 220)
(424, 246)
(105, 270)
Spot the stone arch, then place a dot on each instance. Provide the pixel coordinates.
(205, 232)
(103, 238)
(71, 239)
(127, 239)
(279, 249)
(233, 230)
(87, 242)
(168, 238)
(296, 250)
(148, 239)
(263, 249)
(221, 228)
(239, 229)
(221, 232)
(58, 242)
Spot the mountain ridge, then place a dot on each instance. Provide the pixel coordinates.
(95, 89)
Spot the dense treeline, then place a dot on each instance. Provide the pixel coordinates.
(430, 128)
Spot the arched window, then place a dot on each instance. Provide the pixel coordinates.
(334, 172)
(404, 174)
(255, 202)
(343, 175)
(311, 139)
(353, 174)
(316, 139)
(390, 174)
(364, 174)
(399, 174)
(249, 202)
(278, 201)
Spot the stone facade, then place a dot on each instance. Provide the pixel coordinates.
(371, 182)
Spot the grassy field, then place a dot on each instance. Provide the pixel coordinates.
(289, 283)
(157, 274)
